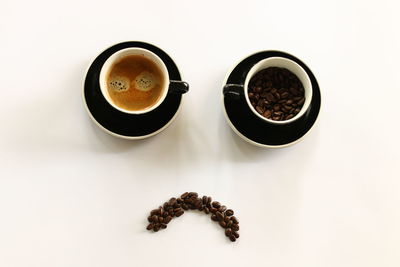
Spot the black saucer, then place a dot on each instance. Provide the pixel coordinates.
(254, 129)
(129, 125)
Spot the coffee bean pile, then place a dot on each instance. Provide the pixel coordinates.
(175, 207)
(276, 93)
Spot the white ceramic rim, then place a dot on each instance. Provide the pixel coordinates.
(240, 134)
(289, 65)
(115, 134)
(126, 52)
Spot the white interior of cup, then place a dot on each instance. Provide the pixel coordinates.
(105, 70)
(289, 65)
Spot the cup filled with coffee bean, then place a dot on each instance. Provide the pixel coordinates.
(276, 89)
(135, 80)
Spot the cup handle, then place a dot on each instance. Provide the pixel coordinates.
(233, 90)
(178, 87)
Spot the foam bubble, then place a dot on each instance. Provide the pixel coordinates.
(145, 81)
(119, 84)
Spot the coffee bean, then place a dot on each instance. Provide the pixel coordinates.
(177, 209)
(235, 220)
(184, 195)
(172, 201)
(267, 114)
(154, 212)
(284, 95)
(163, 225)
(228, 232)
(179, 200)
(165, 205)
(197, 203)
(214, 217)
(301, 102)
(216, 204)
(232, 238)
(260, 109)
(226, 219)
(193, 194)
(235, 227)
(156, 227)
(229, 212)
(219, 215)
(288, 108)
(201, 208)
(154, 218)
(204, 200)
(209, 200)
(270, 97)
(162, 211)
(222, 224)
(213, 210)
(167, 219)
(288, 117)
(276, 118)
(149, 219)
(160, 219)
(206, 210)
(229, 223)
(277, 107)
(222, 209)
(150, 226)
(185, 207)
(179, 213)
(235, 234)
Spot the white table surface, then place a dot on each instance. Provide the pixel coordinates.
(72, 195)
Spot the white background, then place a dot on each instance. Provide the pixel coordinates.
(72, 195)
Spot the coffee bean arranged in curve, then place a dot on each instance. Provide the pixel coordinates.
(232, 238)
(176, 207)
(216, 204)
(228, 232)
(229, 212)
(235, 227)
(235, 234)
(234, 219)
(276, 93)
(220, 217)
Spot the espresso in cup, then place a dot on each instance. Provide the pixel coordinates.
(135, 83)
